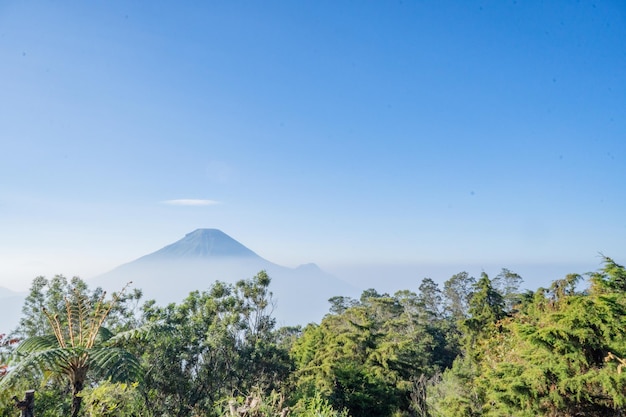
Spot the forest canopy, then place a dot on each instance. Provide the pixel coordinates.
(472, 347)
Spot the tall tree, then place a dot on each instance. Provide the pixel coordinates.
(51, 294)
(369, 357)
(339, 304)
(77, 345)
(457, 291)
(217, 343)
(507, 283)
(486, 307)
(458, 394)
(560, 355)
(611, 277)
(431, 299)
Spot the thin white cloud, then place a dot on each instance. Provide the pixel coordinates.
(190, 202)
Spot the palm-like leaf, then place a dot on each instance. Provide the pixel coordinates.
(139, 333)
(77, 346)
(104, 334)
(36, 344)
(38, 360)
(116, 364)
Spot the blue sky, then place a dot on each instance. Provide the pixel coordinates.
(356, 135)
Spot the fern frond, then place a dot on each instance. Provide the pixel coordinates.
(36, 343)
(140, 333)
(94, 319)
(116, 364)
(40, 361)
(70, 321)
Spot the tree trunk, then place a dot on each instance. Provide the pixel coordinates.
(77, 387)
(418, 397)
(27, 404)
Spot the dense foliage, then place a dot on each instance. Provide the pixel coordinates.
(559, 354)
(214, 345)
(475, 347)
(78, 343)
(367, 356)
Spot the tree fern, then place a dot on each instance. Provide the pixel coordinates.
(78, 345)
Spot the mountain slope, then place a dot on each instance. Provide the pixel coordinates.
(202, 243)
(204, 256)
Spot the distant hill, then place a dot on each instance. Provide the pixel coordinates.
(204, 256)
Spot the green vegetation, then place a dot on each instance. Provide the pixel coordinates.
(78, 343)
(476, 347)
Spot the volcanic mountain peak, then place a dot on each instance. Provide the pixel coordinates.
(207, 255)
(203, 244)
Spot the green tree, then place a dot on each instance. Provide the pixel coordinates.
(486, 308)
(51, 294)
(78, 344)
(110, 399)
(457, 292)
(216, 344)
(611, 278)
(339, 304)
(458, 394)
(431, 299)
(507, 283)
(560, 355)
(336, 359)
(366, 358)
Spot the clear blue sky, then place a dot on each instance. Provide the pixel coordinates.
(343, 133)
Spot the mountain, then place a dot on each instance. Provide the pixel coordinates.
(202, 244)
(204, 256)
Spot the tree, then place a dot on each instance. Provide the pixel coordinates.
(216, 344)
(458, 394)
(78, 346)
(111, 400)
(507, 283)
(457, 291)
(431, 299)
(560, 355)
(368, 357)
(486, 308)
(337, 360)
(612, 277)
(50, 294)
(339, 304)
